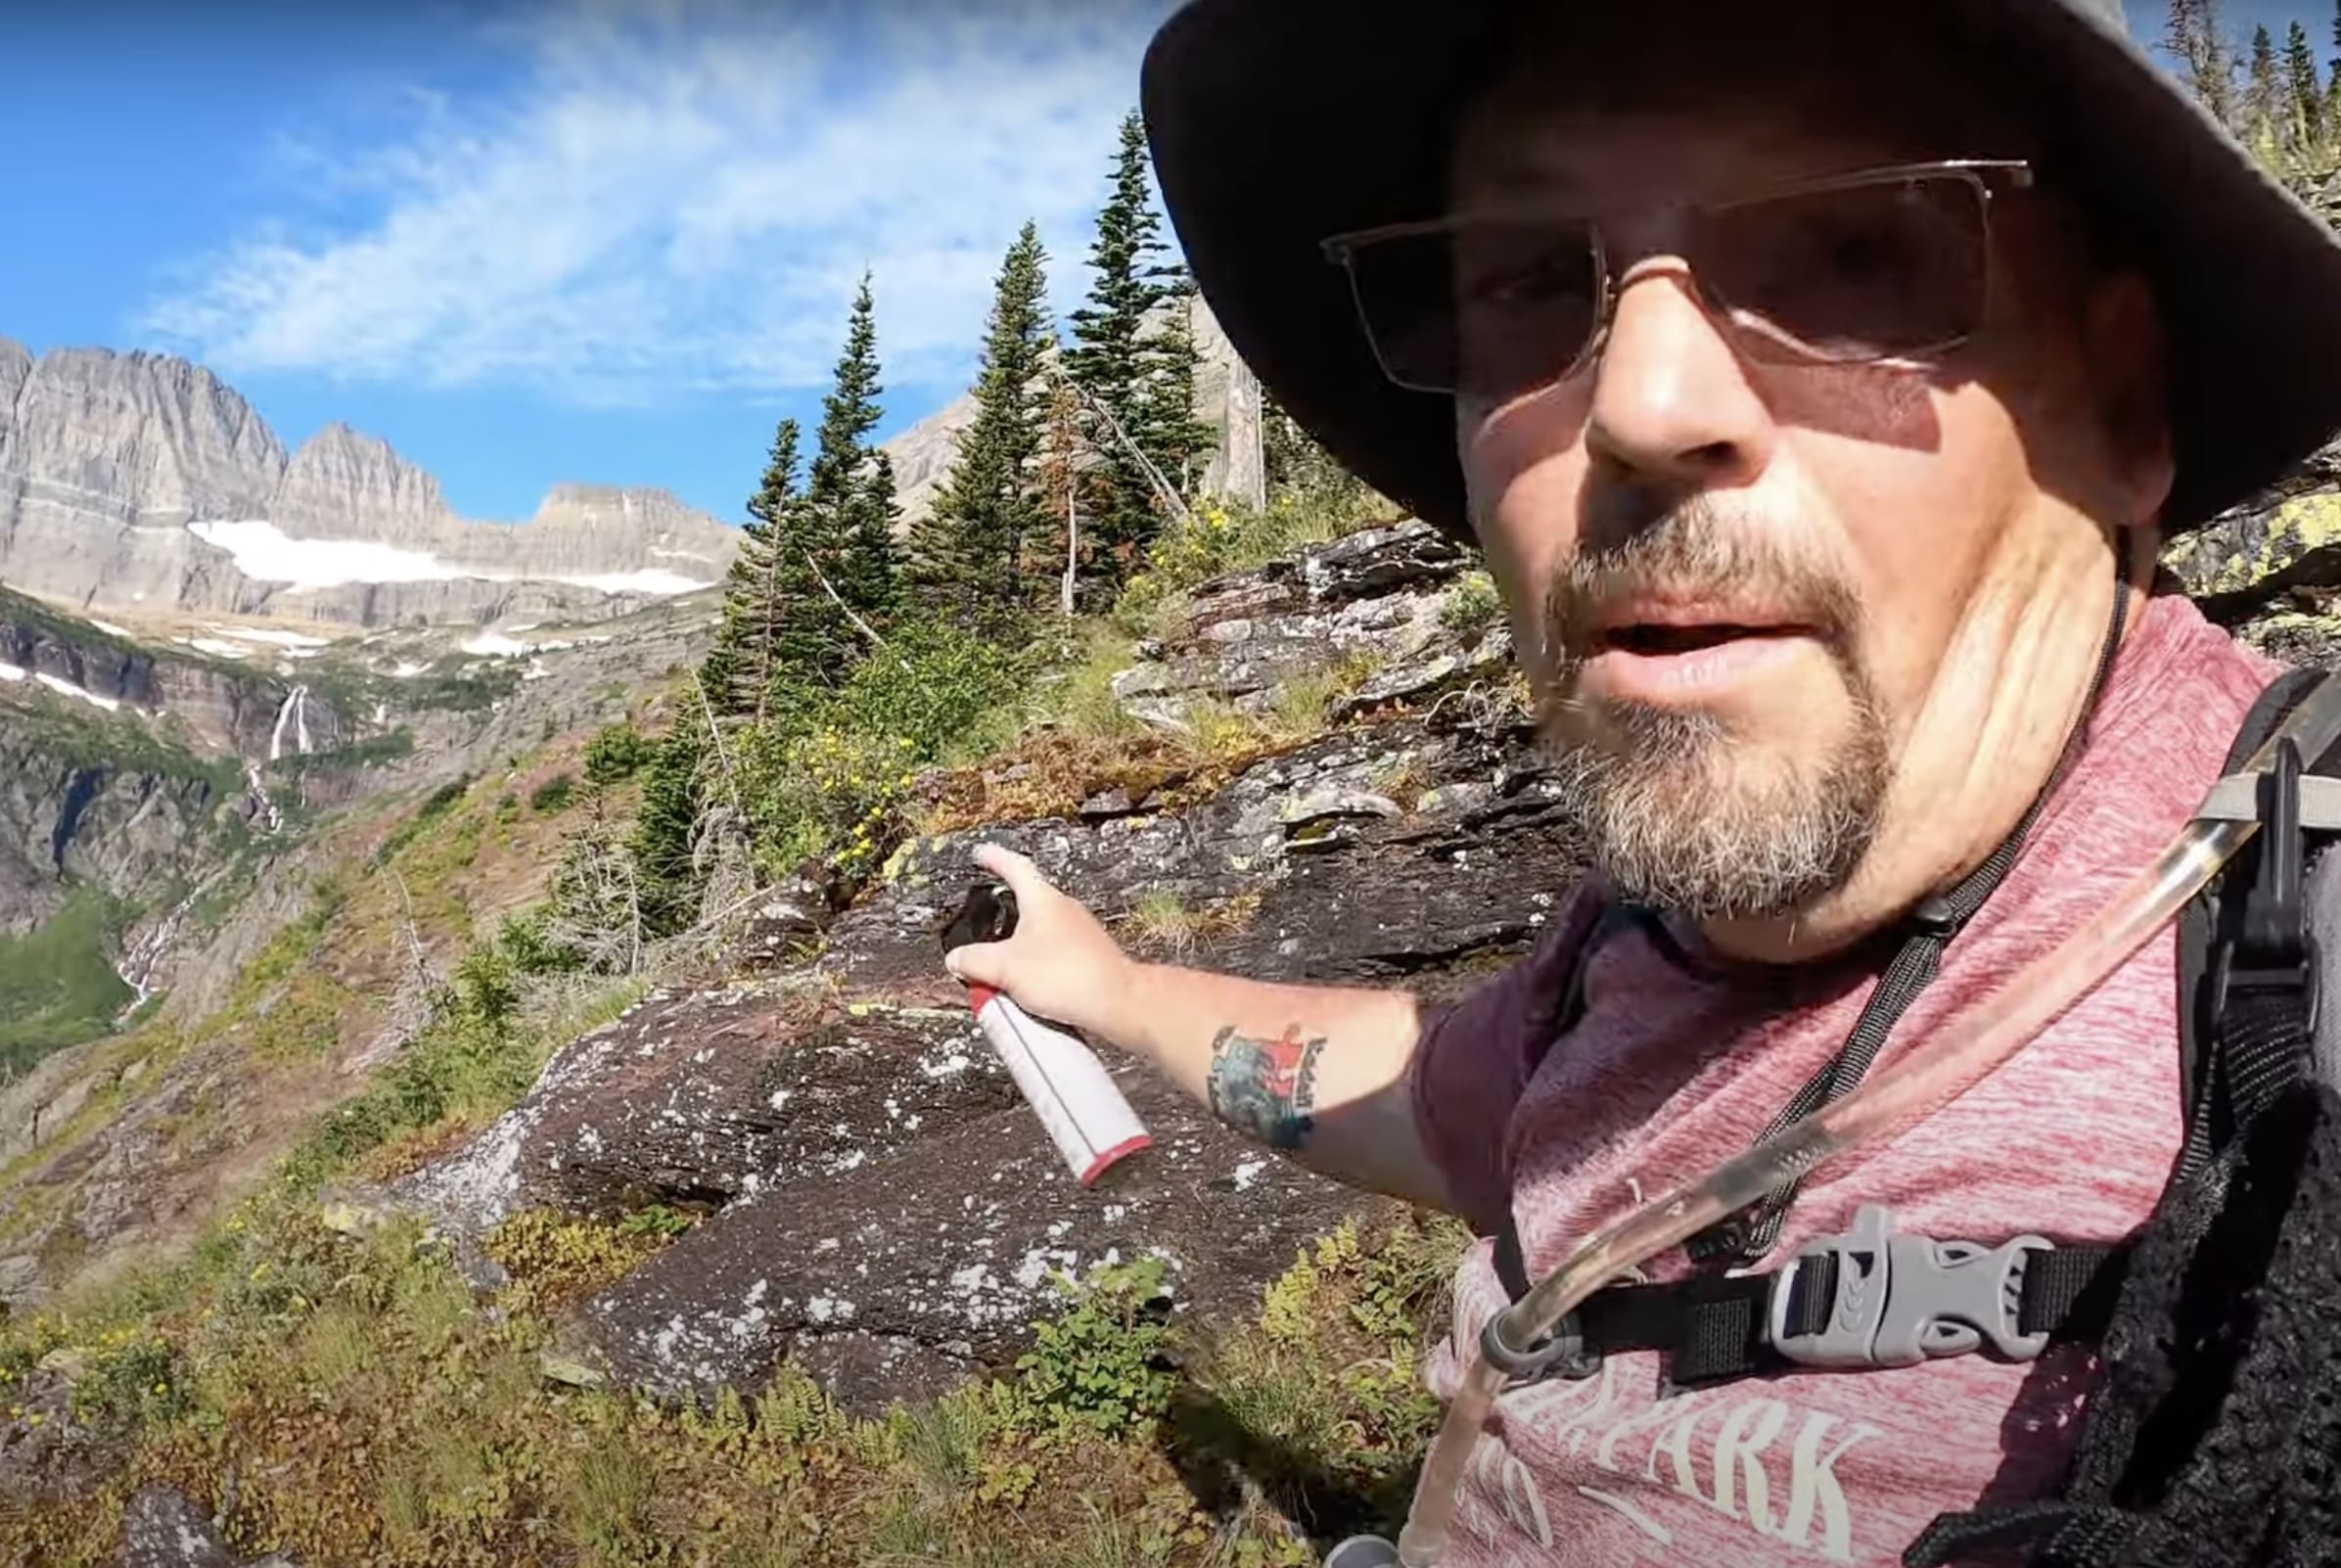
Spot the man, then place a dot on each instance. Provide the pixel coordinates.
(1820, 384)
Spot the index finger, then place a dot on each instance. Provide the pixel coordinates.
(1020, 873)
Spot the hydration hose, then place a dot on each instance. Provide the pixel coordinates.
(1921, 1082)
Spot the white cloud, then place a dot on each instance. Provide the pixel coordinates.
(682, 195)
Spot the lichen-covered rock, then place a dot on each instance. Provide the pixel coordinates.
(161, 1529)
(1336, 881)
(2290, 537)
(1380, 561)
(900, 1278)
(704, 1098)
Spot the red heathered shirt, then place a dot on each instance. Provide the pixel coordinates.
(1670, 1071)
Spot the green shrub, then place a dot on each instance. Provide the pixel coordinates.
(553, 793)
(132, 1378)
(1103, 1363)
(935, 686)
(616, 753)
(1471, 607)
(1215, 540)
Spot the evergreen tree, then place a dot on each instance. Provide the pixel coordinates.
(2307, 92)
(665, 870)
(2207, 67)
(736, 673)
(1118, 363)
(2265, 102)
(842, 526)
(872, 564)
(1167, 430)
(969, 549)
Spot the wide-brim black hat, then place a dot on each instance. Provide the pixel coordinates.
(1275, 123)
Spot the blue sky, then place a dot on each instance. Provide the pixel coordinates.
(529, 242)
(564, 239)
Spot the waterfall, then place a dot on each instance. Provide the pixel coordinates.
(294, 711)
(256, 790)
(138, 965)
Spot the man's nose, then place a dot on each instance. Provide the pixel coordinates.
(1672, 401)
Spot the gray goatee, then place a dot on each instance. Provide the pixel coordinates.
(1678, 810)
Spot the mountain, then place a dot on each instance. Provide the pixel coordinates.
(137, 481)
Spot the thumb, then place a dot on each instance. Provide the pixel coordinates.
(979, 963)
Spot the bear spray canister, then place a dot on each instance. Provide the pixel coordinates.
(1068, 1087)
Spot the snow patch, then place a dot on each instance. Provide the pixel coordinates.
(266, 552)
(109, 628)
(60, 686)
(215, 647)
(269, 635)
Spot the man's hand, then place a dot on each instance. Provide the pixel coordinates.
(1059, 963)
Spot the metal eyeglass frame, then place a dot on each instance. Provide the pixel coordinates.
(1978, 173)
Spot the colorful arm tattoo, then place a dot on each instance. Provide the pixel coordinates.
(1267, 1087)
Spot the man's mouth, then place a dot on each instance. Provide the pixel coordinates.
(1660, 651)
(1651, 638)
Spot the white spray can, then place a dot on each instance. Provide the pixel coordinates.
(1067, 1086)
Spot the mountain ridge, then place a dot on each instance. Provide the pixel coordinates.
(113, 462)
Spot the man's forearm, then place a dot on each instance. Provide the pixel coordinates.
(1316, 1072)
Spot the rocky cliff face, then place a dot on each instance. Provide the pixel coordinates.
(344, 484)
(121, 764)
(118, 470)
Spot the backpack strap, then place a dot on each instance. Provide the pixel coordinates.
(2249, 994)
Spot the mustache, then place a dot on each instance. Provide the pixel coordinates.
(1693, 548)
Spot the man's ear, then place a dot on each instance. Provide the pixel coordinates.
(2127, 368)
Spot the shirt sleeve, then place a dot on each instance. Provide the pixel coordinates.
(1474, 1059)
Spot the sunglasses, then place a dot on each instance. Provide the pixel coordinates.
(1887, 264)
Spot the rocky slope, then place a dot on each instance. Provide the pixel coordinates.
(885, 1211)
(142, 482)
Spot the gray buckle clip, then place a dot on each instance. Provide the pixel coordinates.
(1905, 1299)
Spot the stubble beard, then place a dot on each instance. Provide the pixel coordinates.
(1678, 810)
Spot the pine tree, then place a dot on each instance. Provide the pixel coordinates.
(2265, 102)
(1116, 360)
(842, 527)
(664, 827)
(2194, 36)
(1166, 428)
(2307, 91)
(969, 549)
(736, 673)
(873, 569)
